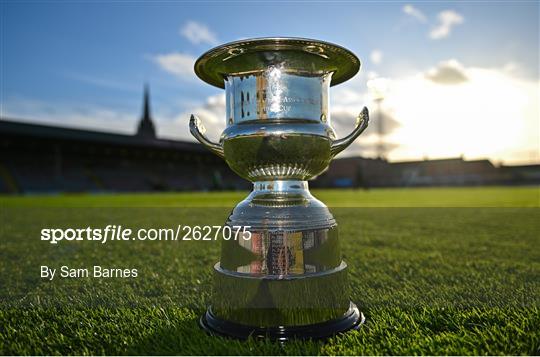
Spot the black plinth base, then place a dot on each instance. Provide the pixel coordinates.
(351, 320)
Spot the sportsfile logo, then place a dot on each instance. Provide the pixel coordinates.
(113, 232)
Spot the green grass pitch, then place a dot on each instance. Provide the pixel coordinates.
(435, 271)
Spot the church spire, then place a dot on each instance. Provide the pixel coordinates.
(146, 126)
(146, 111)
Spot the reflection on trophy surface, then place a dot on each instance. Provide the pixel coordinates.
(288, 279)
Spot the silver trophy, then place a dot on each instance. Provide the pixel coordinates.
(286, 278)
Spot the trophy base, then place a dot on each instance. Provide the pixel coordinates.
(351, 320)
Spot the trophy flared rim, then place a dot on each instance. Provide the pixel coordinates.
(255, 54)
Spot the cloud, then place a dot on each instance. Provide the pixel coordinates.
(198, 33)
(94, 117)
(490, 115)
(448, 72)
(377, 86)
(73, 115)
(211, 113)
(376, 56)
(447, 20)
(342, 120)
(346, 104)
(414, 12)
(511, 67)
(179, 64)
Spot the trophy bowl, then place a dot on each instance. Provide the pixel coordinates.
(287, 279)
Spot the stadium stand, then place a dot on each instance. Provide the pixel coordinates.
(363, 172)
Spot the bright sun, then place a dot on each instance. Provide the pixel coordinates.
(491, 115)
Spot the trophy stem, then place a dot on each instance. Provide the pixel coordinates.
(281, 193)
(281, 186)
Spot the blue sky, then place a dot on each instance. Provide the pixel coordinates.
(84, 63)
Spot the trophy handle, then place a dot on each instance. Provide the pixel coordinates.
(362, 121)
(197, 129)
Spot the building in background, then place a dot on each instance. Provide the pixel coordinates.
(39, 158)
(367, 173)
